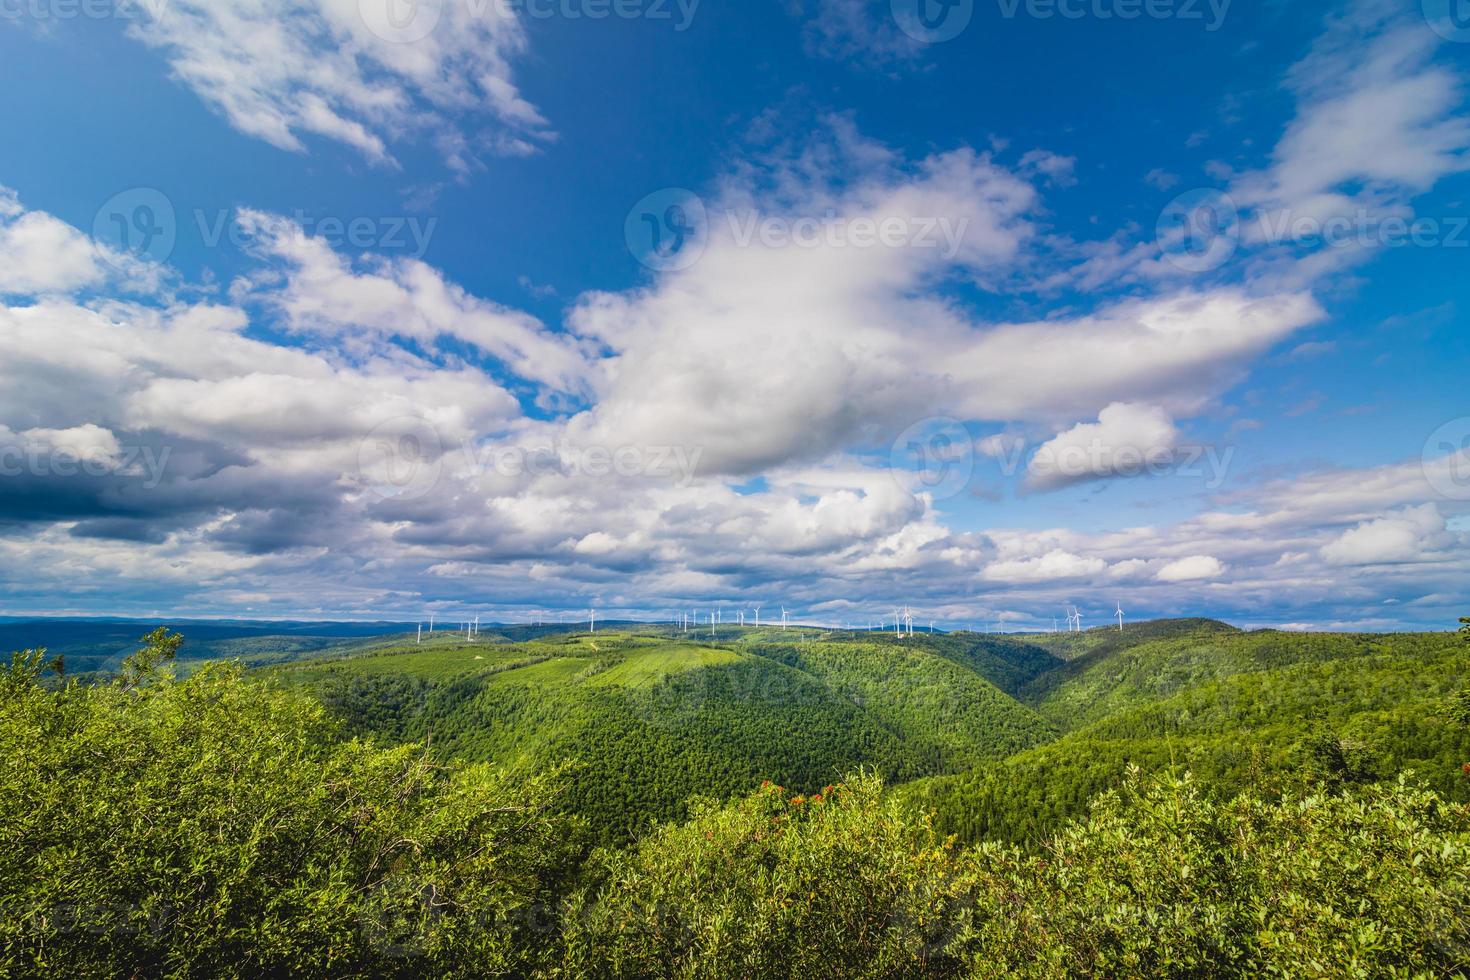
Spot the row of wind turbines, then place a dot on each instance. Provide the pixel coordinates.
(687, 620)
(903, 622)
(1074, 619)
(470, 628)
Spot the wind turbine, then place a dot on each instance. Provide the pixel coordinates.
(421, 634)
(757, 616)
(431, 624)
(1119, 614)
(783, 617)
(592, 620)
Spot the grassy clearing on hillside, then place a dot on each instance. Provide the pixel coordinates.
(644, 669)
(440, 661)
(547, 673)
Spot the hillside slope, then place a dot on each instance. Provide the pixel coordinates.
(653, 719)
(1353, 707)
(1123, 672)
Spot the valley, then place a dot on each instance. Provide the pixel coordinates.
(1002, 736)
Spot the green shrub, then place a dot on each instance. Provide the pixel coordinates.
(213, 827)
(1156, 881)
(1159, 881)
(841, 883)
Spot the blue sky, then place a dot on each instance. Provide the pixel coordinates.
(1172, 314)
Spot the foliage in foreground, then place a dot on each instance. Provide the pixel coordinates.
(1156, 881)
(218, 827)
(213, 827)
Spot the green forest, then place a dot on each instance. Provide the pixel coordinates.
(1179, 798)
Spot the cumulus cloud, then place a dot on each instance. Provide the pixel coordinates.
(240, 460)
(347, 71)
(1055, 565)
(1126, 440)
(837, 344)
(1409, 535)
(41, 255)
(318, 291)
(1191, 569)
(849, 344)
(1372, 126)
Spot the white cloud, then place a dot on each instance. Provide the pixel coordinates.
(323, 294)
(1377, 122)
(82, 441)
(1052, 167)
(835, 345)
(39, 255)
(1191, 569)
(1126, 440)
(1409, 535)
(845, 345)
(1381, 117)
(340, 69)
(1161, 179)
(854, 30)
(1055, 565)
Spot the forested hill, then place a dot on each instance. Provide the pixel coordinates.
(1235, 709)
(1002, 735)
(653, 716)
